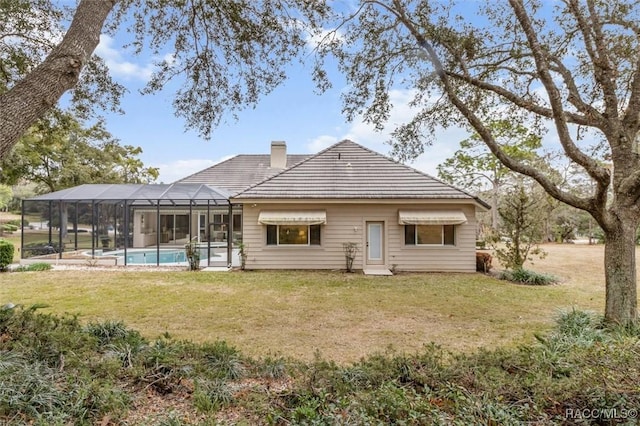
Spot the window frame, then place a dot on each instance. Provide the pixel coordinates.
(311, 235)
(443, 236)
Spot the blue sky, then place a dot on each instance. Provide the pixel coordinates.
(306, 121)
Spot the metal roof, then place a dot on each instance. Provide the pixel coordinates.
(166, 194)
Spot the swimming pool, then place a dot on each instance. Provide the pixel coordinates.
(150, 256)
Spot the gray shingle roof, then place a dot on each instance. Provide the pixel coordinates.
(240, 172)
(347, 170)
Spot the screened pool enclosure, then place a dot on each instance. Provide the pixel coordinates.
(126, 224)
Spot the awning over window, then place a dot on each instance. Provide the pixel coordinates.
(317, 217)
(431, 217)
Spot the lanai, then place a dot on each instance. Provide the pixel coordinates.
(116, 213)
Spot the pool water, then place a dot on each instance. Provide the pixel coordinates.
(150, 256)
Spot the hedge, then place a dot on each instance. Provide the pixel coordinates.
(6, 254)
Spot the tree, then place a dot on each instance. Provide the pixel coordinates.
(229, 53)
(571, 66)
(522, 226)
(20, 191)
(473, 166)
(58, 153)
(29, 31)
(6, 194)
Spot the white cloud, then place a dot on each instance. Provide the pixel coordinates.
(445, 145)
(179, 169)
(118, 65)
(324, 37)
(322, 142)
(169, 58)
(446, 141)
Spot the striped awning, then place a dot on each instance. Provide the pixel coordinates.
(288, 217)
(431, 217)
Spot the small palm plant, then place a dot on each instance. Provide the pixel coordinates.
(192, 254)
(243, 253)
(350, 250)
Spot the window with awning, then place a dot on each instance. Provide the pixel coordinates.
(431, 217)
(305, 217)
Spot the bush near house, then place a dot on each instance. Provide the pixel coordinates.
(56, 370)
(6, 254)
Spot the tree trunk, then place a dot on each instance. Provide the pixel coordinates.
(64, 220)
(495, 191)
(620, 273)
(33, 96)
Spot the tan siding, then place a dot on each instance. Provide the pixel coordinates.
(347, 223)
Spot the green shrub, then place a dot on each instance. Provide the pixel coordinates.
(525, 276)
(224, 361)
(272, 368)
(210, 396)
(40, 266)
(7, 227)
(34, 267)
(109, 332)
(6, 254)
(164, 366)
(192, 253)
(49, 373)
(53, 370)
(16, 222)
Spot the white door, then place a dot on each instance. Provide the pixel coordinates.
(375, 243)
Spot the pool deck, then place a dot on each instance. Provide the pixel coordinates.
(216, 269)
(218, 261)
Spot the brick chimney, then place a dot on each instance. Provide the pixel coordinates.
(278, 155)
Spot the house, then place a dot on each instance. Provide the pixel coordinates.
(300, 216)
(299, 212)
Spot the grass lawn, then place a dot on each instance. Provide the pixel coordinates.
(343, 316)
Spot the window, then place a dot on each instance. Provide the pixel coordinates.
(173, 227)
(293, 235)
(220, 223)
(429, 235)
